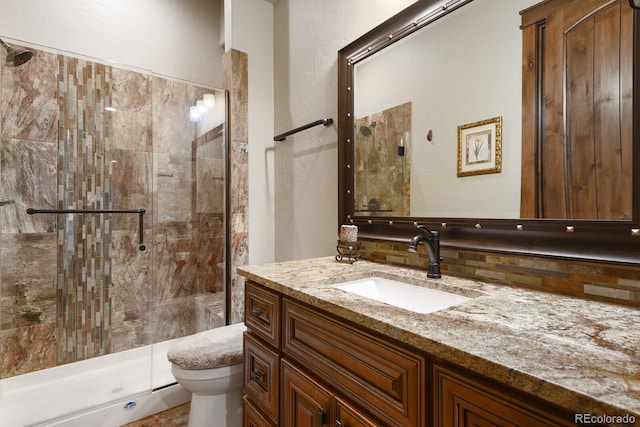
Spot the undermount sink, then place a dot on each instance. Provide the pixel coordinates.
(403, 295)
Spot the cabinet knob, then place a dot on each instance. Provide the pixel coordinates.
(255, 312)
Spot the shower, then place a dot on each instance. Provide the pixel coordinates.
(81, 304)
(16, 57)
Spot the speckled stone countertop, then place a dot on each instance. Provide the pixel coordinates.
(580, 355)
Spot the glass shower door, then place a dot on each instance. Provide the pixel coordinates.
(78, 298)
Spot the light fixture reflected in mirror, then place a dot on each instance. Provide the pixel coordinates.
(194, 114)
(201, 107)
(635, 4)
(209, 100)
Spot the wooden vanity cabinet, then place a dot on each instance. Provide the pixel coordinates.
(261, 376)
(386, 379)
(319, 370)
(465, 400)
(303, 367)
(309, 403)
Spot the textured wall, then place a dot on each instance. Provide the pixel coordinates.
(308, 35)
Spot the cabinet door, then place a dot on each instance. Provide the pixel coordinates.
(386, 379)
(305, 402)
(465, 401)
(348, 416)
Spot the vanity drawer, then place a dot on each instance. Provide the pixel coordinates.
(261, 375)
(387, 379)
(253, 417)
(262, 312)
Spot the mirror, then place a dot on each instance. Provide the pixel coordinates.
(463, 79)
(401, 141)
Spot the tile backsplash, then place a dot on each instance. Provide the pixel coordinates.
(618, 284)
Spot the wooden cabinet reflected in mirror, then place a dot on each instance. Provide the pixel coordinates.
(578, 84)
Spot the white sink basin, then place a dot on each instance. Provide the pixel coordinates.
(403, 295)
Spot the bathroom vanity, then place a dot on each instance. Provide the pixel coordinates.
(318, 355)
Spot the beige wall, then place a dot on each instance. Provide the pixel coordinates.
(180, 39)
(308, 35)
(249, 29)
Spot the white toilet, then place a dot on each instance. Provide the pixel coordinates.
(209, 365)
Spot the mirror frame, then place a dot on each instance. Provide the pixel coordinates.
(615, 241)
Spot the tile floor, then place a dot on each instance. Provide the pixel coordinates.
(174, 417)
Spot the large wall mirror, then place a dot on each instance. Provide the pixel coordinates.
(433, 128)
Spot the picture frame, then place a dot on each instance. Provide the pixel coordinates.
(480, 147)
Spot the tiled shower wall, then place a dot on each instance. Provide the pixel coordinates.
(382, 164)
(76, 286)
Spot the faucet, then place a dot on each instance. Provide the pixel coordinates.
(431, 241)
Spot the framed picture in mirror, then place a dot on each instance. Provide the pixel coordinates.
(480, 147)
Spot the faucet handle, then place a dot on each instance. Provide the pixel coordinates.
(427, 230)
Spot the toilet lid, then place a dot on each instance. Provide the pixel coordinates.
(209, 349)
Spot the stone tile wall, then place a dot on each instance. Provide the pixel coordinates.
(76, 286)
(235, 64)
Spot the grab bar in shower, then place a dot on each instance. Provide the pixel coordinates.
(140, 212)
(284, 136)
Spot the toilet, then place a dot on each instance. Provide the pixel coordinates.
(209, 365)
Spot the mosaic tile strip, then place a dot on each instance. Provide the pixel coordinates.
(84, 181)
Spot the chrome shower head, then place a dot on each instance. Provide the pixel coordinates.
(16, 57)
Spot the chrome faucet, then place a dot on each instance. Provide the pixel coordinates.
(431, 240)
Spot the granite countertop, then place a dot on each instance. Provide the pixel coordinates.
(578, 354)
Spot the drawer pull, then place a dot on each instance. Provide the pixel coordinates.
(257, 376)
(322, 417)
(255, 312)
(338, 423)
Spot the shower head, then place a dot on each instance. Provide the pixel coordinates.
(16, 57)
